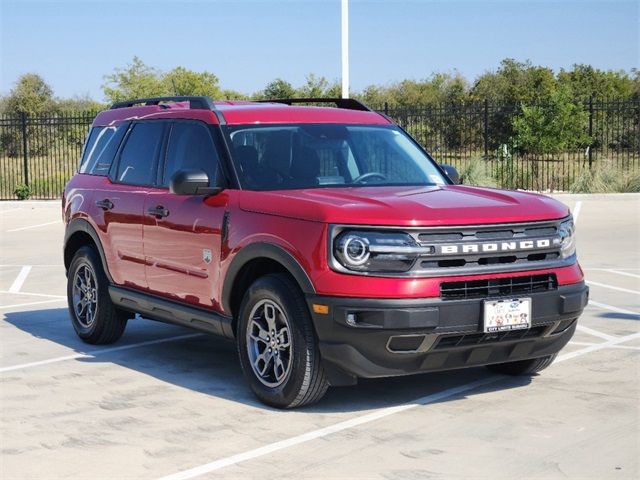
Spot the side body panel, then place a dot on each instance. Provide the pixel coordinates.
(183, 249)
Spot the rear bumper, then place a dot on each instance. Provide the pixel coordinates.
(381, 337)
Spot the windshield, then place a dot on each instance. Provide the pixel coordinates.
(284, 157)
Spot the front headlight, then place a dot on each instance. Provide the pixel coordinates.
(567, 238)
(363, 251)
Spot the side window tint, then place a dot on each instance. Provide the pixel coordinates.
(190, 148)
(101, 147)
(137, 160)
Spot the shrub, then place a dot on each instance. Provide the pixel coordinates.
(477, 172)
(606, 178)
(22, 191)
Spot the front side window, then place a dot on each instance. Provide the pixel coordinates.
(190, 147)
(328, 155)
(139, 154)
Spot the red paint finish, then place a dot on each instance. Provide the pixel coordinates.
(182, 250)
(405, 206)
(169, 256)
(277, 113)
(119, 229)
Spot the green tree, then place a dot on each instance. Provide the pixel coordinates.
(181, 81)
(136, 80)
(585, 81)
(318, 87)
(515, 82)
(551, 128)
(31, 95)
(277, 89)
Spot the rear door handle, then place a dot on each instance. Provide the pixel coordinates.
(105, 204)
(158, 212)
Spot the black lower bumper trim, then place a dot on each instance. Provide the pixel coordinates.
(378, 338)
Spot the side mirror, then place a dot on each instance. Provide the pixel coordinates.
(452, 173)
(191, 182)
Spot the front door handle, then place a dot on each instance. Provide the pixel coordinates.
(158, 212)
(105, 204)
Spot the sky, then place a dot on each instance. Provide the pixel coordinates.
(74, 44)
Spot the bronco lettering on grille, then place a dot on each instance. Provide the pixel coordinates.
(540, 243)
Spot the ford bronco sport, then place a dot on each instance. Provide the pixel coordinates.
(325, 241)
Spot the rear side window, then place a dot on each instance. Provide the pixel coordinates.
(100, 148)
(190, 148)
(137, 163)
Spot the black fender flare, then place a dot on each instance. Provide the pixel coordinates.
(263, 250)
(83, 225)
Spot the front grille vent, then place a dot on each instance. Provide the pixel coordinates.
(483, 338)
(498, 287)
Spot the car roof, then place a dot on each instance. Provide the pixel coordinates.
(239, 112)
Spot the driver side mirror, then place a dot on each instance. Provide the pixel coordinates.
(191, 182)
(452, 173)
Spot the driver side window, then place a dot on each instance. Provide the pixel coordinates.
(191, 147)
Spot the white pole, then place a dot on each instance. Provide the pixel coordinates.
(345, 48)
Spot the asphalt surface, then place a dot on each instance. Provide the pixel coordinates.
(165, 402)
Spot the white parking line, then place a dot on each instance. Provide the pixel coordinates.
(576, 211)
(363, 419)
(33, 226)
(30, 294)
(622, 347)
(595, 333)
(376, 414)
(619, 272)
(596, 347)
(39, 265)
(612, 287)
(99, 352)
(17, 305)
(19, 281)
(605, 306)
(10, 210)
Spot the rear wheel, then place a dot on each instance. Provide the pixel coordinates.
(277, 345)
(94, 317)
(523, 367)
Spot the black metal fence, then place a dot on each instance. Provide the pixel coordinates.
(39, 154)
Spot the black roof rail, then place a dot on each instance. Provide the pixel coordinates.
(346, 103)
(195, 103)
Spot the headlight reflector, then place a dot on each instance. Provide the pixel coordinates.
(567, 238)
(370, 251)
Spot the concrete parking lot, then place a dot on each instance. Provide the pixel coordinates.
(166, 402)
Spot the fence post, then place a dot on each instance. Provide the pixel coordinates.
(25, 152)
(486, 128)
(590, 131)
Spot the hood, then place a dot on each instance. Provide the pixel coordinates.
(405, 206)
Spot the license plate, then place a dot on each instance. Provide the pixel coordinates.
(507, 314)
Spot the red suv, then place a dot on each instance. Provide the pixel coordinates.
(325, 241)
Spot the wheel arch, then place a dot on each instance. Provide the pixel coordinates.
(252, 262)
(80, 232)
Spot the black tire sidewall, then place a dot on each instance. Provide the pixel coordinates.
(289, 300)
(86, 256)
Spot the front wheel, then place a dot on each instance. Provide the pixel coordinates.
(523, 367)
(277, 345)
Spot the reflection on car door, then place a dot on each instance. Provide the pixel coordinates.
(182, 233)
(123, 203)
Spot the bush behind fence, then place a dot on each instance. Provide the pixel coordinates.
(42, 152)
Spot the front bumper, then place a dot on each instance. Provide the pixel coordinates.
(381, 337)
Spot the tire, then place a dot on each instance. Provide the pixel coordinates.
(283, 370)
(94, 317)
(523, 367)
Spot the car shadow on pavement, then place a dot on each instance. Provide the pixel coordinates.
(209, 365)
